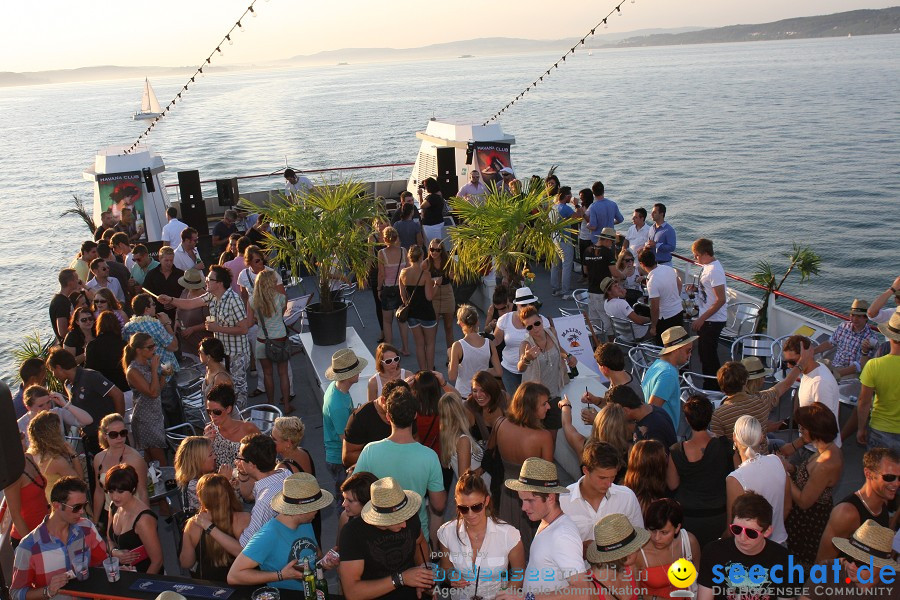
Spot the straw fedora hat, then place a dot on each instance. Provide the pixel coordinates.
(301, 494)
(390, 504)
(608, 233)
(192, 279)
(859, 307)
(539, 476)
(344, 365)
(871, 540)
(891, 329)
(524, 296)
(755, 368)
(607, 283)
(614, 538)
(674, 338)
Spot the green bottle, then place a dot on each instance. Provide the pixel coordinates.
(321, 584)
(309, 580)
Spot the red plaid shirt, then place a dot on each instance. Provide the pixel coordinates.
(41, 555)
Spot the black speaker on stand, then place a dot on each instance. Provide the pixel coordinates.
(193, 209)
(227, 191)
(446, 168)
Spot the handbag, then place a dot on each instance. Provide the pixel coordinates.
(686, 551)
(402, 313)
(278, 351)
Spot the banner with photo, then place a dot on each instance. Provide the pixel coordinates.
(121, 190)
(490, 157)
(574, 338)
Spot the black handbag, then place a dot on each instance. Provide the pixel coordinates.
(277, 350)
(402, 313)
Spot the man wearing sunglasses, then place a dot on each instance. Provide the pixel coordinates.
(65, 542)
(881, 468)
(748, 547)
(260, 480)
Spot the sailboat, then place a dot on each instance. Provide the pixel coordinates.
(149, 104)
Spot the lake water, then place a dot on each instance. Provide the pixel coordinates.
(754, 145)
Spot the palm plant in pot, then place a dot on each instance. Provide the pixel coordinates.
(327, 233)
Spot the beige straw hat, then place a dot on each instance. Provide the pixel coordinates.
(870, 541)
(192, 279)
(674, 338)
(755, 368)
(614, 538)
(859, 307)
(608, 233)
(891, 329)
(539, 476)
(606, 284)
(390, 504)
(301, 494)
(344, 365)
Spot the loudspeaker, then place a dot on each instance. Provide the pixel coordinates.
(446, 168)
(148, 180)
(13, 462)
(227, 190)
(193, 209)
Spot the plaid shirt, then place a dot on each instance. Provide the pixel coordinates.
(152, 327)
(40, 556)
(228, 311)
(848, 344)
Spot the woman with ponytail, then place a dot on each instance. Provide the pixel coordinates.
(141, 364)
(759, 472)
(471, 354)
(213, 357)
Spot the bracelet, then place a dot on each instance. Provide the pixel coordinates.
(893, 291)
(280, 576)
(396, 580)
(208, 530)
(566, 405)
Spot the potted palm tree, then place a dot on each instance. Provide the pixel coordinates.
(327, 234)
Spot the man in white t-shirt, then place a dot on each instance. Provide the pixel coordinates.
(595, 495)
(639, 232)
(616, 307)
(186, 255)
(296, 186)
(664, 291)
(100, 271)
(171, 231)
(712, 310)
(555, 560)
(877, 312)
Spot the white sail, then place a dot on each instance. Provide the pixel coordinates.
(149, 103)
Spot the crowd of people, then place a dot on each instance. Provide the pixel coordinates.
(662, 480)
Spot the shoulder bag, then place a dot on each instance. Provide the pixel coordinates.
(402, 313)
(277, 350)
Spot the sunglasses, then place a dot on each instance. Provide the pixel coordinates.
(390, 361)
(100, 302)
(790, 363)
(434, 249)
(475, 508)
(114, 435)
(889, 477)
(533, 325)
(76, 508)
(629, 260)
(737, 530)
(217, 412)
(87, 320)
(210, 279)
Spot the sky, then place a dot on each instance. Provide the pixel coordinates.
(37, 35)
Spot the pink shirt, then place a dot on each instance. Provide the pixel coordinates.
(235, 265)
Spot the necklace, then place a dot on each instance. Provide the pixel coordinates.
(866, 504)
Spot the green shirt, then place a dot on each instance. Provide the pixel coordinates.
(883, 375)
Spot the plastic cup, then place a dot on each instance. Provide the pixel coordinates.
(266, 593)
(111, 566)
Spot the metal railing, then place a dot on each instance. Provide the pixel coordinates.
(278, 173)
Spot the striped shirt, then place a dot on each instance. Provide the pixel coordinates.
(40, 556)
(263, 491)
(736, 406)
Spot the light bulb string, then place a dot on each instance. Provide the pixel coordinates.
(206, 62)
(616, 9)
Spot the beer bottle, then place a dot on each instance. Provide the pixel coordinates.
(321, 584)
(309, 581)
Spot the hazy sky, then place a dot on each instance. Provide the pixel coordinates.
(61, 34)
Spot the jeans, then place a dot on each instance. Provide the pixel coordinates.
(561, 270)
(339, 473)
(511, 381)
(708, 349)
(882, 439)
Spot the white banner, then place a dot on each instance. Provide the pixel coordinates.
(573, 336)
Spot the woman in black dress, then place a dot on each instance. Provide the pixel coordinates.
(132, 525)
(417, 290)
(104, 353)
(80, 332)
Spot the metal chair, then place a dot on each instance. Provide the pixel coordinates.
(294, 318)
(176, 434)
(347, 291)
(756, 344)
(626, 333)
(263, 416)
(742, 319)
(580, 296)
(642, 356)
(694, 383)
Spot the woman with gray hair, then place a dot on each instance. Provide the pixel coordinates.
(759, 473)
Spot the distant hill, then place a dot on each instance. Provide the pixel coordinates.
(99, 73)
(855, 22)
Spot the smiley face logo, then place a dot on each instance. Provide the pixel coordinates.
(682, 573)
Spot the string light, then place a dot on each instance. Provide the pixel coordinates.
(616, 9)
(207, 61)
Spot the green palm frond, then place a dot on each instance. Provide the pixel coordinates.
(80, 210)
(32, 346)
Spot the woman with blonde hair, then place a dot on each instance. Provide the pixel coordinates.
(761, 473)
(268, 304)
(626, 262)
(417, 291)
(193, 459)
(437, 263)
(52, 454)
(459, 451)
(113, 438)
(387, 368)
(646, 475)
(472, 353)
(288, 432)
(391, 259)
(210, 542)
(141, 364)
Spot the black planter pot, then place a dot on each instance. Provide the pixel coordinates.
(327, 328)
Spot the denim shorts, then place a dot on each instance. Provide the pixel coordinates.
(413, 322)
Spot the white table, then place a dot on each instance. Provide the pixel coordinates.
(320, 358)
(564, 456)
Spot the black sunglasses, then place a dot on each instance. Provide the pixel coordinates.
(889, 477)
(75, 508)
(215, 411)
(533, 325)
(114, 435)
(790, 363)
(475, 508)
(736, 530)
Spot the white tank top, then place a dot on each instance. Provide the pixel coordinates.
(378, 383)
(765, 476)
(474, 360)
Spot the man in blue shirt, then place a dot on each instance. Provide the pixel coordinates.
(336, 408)
(662, 235)
(561, 270)
(603, 212)
(660, 383)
